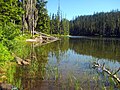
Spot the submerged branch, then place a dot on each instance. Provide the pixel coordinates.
(102, 67)
(116, 71)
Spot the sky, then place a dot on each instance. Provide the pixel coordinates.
(72, 8)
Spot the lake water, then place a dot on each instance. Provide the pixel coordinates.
(67, 65)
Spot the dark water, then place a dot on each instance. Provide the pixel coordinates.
(67, 65)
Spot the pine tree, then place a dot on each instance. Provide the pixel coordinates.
(99, 24)
(10, 19)
(43, 23)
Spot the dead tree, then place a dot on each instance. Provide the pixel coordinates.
(30, 17)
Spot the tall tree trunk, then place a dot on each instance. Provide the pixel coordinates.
(23, 17)
(30, 16)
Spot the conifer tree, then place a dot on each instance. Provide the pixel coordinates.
(43, 23)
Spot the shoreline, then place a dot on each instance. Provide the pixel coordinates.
(95, 37)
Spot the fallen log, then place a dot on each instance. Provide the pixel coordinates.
(45, 42)
(21, 61)
(37, 39)
(42, 38)
(103, 68)
(28, 60)
(31, 40)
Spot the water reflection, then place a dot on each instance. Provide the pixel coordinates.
(66, 65)
(97, 47)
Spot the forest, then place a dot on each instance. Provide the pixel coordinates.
(62, 64)
(16, 20)
(103, 24)
(20, 18)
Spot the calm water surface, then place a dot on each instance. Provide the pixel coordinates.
(67, 65)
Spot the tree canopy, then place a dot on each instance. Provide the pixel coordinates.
(98, 24)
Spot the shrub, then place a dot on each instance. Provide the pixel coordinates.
(4, 53)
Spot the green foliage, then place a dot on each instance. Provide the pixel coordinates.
(1, 33)
(10, 31)
(10, 24)
(5, 55)
(64, 27)
(10, 73)
(59, 25)
(98, 24)
(43, 23)
(20, 47)
(10, 11)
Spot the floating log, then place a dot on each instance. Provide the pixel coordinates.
(102, 67)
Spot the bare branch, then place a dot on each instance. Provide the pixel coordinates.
(97, 65)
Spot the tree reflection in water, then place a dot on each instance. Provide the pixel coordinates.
(66, 64)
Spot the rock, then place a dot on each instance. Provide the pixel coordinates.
(5, 86)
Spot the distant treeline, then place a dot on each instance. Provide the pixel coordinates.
(99, 24)
(58, 24)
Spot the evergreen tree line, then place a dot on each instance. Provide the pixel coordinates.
(99, 24)
(59, 25)
(43, 22)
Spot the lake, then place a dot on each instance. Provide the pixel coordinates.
(67, 65)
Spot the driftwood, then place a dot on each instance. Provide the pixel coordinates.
(45, 42)
(43, 38)
(103, 68)
(21, 61)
